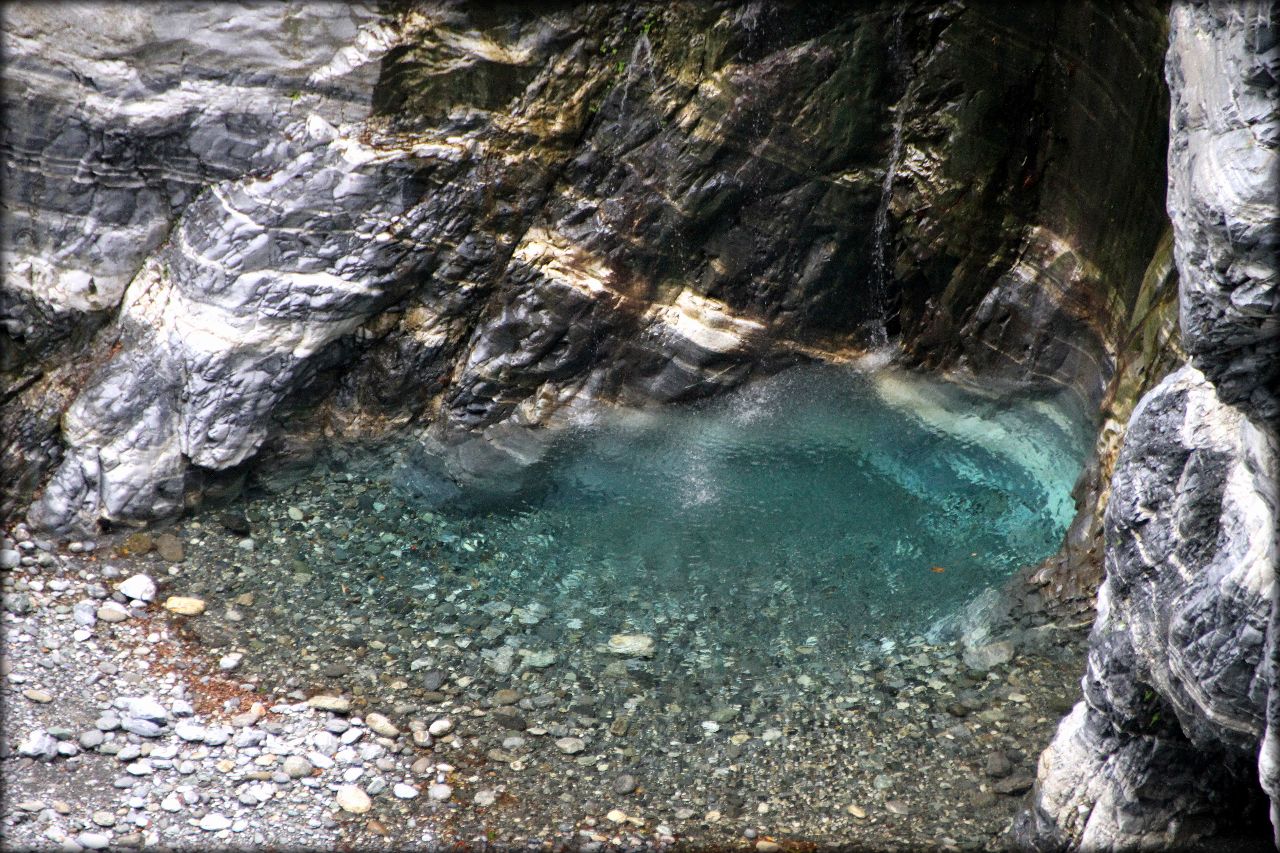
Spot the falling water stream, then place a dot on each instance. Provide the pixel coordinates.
(879, 250)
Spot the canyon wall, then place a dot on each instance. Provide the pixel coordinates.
(1177, 732)
(235, 232)
(473, 217)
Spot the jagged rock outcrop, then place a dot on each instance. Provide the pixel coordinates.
(1177, 731)
(635, 203)
(117, 118)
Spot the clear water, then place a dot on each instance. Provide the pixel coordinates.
(820, 506)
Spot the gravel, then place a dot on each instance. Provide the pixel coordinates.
(376, 729)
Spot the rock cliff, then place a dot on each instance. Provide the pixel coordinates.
(235, 231)
(472, 218)
(1178, 724)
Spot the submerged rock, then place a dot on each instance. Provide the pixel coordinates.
(631, 645)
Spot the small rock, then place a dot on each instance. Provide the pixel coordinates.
(857, 811)
(183, 605)
(764, 845)
(1013, 785)
(353, 799)
(509, 718)
(989, 656)
(485, 797)
(631, 645)
(136, 544)
(190, 732)
(18, 603)
(138, 587)
(335, 670)
(404, 791)
(297, 767)
(93, 840)
(440, 792)
(112, 612)
(336, 704)
(380, 725)
(40, 697)
(432, 679)
(215, 822)
(85, 613)
(10, 559)
(91, 739)
(539, 659)
(104, 818)
(571, 745)
(143, 708)
(624, 784)
(998, 765)
(169, 548)
(38, 744)
(507, 697)
(616, 816)
(235, 523)
(897, 807)
(440, 727)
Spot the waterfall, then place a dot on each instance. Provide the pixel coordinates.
(639, 49)
(879, 262)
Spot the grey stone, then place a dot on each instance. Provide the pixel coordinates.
(38, 744)
(142, 728)
(989, 655)
(297, 767)
(18, 603)
(111, 612)
(85, 612)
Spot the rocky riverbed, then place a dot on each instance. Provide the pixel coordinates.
(329, 664)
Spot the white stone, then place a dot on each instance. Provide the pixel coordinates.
(353, 799)
(380, 725)
(336, 704)
(631, 645)
(138, 587)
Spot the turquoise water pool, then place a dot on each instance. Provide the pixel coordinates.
(821, 502)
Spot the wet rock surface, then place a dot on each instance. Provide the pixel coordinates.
(1176, 735)
(649, 205)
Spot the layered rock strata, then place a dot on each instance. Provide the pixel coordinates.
(1177, 730)
(639, 204)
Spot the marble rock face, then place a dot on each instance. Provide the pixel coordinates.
(1178, 729)
(118, 117)
(238, 223)
(1180, 670)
